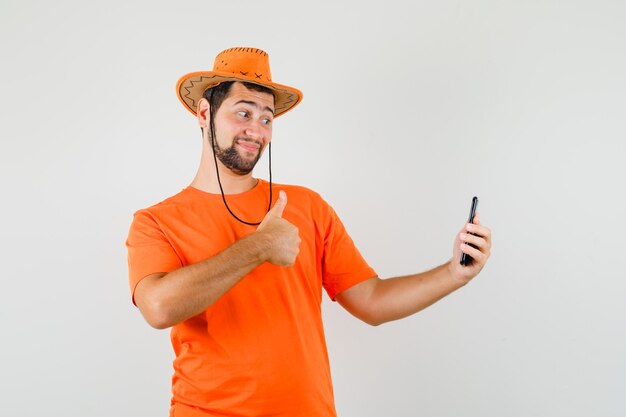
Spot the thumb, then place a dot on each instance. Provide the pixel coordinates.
(277, 210)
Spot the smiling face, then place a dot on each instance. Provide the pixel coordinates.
(243, 128)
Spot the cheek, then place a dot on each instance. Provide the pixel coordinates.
(232, 130)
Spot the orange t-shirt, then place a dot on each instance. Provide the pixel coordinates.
(260, 349)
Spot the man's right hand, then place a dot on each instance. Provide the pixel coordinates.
(282, 237)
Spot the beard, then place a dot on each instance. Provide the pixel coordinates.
(233, 160)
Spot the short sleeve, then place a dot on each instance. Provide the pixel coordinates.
(149, 250)
(343, 266)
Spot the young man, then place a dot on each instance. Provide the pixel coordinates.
(236, 265)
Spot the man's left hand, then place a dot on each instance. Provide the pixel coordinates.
(479, 236)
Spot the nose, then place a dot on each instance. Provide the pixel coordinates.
(254, 131)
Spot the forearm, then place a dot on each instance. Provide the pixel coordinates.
(377, 301)
(170, 298)
(396, 298)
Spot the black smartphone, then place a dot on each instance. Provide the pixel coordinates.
(465, 258)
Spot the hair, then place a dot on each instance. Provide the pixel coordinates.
(217, 94)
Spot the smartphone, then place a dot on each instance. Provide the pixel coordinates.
(465, 258)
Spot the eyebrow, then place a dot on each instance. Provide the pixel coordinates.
(255, 104)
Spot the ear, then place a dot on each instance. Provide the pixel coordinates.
(203, 112)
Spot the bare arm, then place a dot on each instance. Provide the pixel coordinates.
(377, 301)
(166, 299)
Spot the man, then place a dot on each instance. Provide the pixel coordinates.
(236, 265)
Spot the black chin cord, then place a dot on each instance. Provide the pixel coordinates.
(269, 206)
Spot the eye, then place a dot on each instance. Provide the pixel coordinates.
(242, 113)
(267, 121)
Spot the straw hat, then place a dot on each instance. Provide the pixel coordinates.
(236, 64)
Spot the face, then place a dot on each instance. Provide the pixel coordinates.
(243, 128)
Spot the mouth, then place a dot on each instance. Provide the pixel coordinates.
(248, 145)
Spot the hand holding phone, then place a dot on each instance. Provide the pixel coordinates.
(465, 258)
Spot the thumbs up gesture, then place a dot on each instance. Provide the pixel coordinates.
(280, 236)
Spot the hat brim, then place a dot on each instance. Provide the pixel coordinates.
(191, 87)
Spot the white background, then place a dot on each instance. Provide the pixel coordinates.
(410, 109)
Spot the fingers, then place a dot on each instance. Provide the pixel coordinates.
(275, 212)
(480, 243)
(478, 229)
(477, 235)
(279, 206)
(475, 253)
(476, 240)
(473, 239)
(282, 240)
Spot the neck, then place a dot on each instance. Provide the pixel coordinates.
(206, 177)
